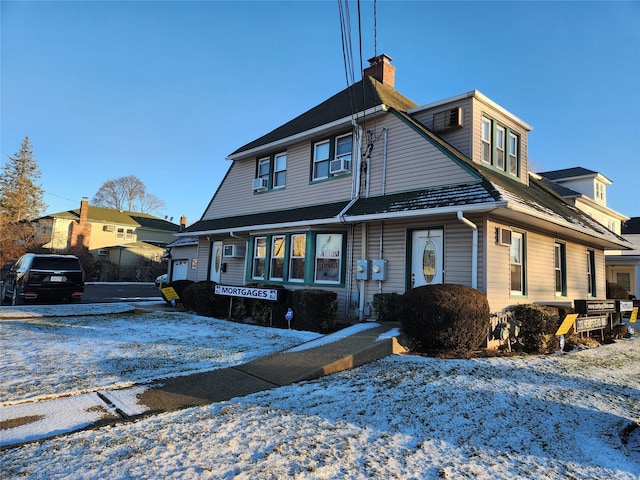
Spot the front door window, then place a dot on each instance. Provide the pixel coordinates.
(427, 257)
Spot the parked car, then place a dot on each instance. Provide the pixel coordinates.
(161, 280)
(46, 277)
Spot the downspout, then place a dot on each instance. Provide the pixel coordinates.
(474, 249)
(384, 162)
(362, 283)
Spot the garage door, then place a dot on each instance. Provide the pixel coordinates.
(179, 270)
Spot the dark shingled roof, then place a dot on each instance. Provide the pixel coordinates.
(567, 173)
(292, 215)
(559, 189)
(438, 197)
(363, 95)
(631, 226)
(120, 217)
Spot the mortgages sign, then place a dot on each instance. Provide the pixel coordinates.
(269, 294)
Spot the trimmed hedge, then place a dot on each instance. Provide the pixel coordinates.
(387, 306)
(446, 316)
(537, 327)
(314, 310)
(199, 297)
(616, 291)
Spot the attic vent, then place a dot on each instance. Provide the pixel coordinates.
(447, 120)
(503, 236)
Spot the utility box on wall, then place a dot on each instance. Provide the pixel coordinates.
(362, 269)
(379, 270)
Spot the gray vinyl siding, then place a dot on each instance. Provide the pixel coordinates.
(412, 161)
(478, 110)
(457, 253)
(460, 138)
(204, 251)
(498, 278)
(235, 195)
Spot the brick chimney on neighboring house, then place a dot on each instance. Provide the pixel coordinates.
(81, 229)
(183, 222)
(381, 69)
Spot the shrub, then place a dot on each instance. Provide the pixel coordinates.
(386, 306)
(538, 325)
(200, 298)
(447, 316)
(617, 291)
(314, 310)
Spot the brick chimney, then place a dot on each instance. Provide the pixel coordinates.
(84, 210)
(183, 222)
(81, 230)
(381, 69)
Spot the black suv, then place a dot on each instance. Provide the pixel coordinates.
(43, 277)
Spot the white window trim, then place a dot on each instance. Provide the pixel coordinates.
(317, 161)
(276, 171)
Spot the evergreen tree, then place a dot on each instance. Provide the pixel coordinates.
(20, 197)
(21, 202)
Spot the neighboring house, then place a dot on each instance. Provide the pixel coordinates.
(623, 267)
(182, 255)
(128, 240)
(368, 192)
(587, 191)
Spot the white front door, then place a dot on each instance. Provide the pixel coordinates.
(216, 262)
(427, 257)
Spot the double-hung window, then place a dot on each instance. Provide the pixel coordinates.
(271, 172)
(298, 251)
(513, 154)
(276, 271)
(344, 146)
(500, 146)
(259, 257)
(591, 277)
(332, 157)
(279, 170)
(559, 267)
(321, 152)
(517, 264)
(264, 165)
(486, 140)
(500, 139)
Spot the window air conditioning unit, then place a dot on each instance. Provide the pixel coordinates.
(103, 252)
(260, 184)
(233, 251)
(340, 165)
(503, 236)
(447, 120)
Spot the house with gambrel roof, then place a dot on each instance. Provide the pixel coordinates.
(368, 192)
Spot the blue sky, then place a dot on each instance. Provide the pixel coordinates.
(166, 90)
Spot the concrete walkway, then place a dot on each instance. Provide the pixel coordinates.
(343, 350)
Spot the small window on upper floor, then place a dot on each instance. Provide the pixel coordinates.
(500, 147)
(332, 157)
(486, 140)
(271, 172)
(599, 191)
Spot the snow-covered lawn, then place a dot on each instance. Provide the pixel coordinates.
(558, 416)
